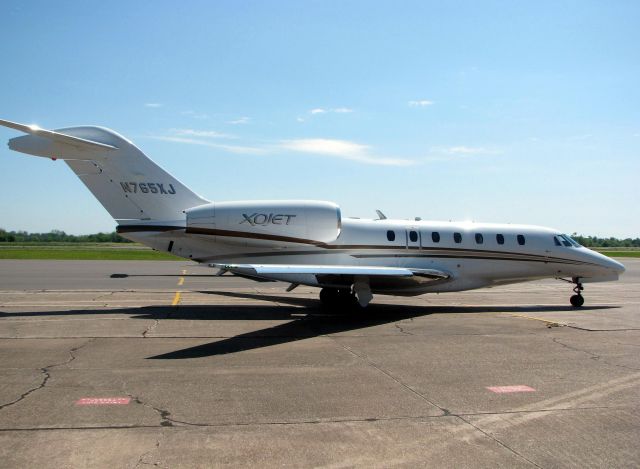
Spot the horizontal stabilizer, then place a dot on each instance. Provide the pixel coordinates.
(79, 143)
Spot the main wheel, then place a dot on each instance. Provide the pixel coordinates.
(341, 298)
(329, 296)
(347, 299)
(576, 301)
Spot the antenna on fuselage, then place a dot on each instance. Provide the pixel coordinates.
(381, 216)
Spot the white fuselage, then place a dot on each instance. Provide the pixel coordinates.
(474, 259)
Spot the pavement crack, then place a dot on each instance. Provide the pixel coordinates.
(46, 375)
(504, 445)
(165, 415)
(142, 460)
(445, 412)
(151, 327)
(401, 329)
(104, 295)
(592, 355)
(45, 378)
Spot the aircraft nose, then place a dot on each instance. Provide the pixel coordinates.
(617, 266)
(612, 264)
(606, 262)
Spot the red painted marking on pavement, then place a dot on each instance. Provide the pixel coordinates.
(508, 389)
(103, 401)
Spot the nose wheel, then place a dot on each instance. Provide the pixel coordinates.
(577, 300)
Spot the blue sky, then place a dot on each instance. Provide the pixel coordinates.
(520, 112)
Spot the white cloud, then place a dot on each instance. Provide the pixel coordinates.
(154, 105)
(195, 115)
(337, 110)
(240, 121)
(464, 150)
(420, 103)
(245, 150)
(340, 149)
(343, 149)
(200, 133)
(458, 152)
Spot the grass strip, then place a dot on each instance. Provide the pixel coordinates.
(621, 253)
(87, 254)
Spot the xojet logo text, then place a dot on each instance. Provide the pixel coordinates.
(264, 219)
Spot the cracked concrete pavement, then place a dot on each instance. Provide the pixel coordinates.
(219, 371)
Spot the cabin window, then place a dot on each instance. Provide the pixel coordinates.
(500, 238)
(391, 235)
(521, 240)
(479, 238)
(413, 236)
(556, 241)
(435, 237)
(457, 237)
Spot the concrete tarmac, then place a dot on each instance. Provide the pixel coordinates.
(126, 364)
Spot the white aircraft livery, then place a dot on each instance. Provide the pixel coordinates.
(307, 242)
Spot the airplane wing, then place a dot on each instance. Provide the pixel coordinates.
(334, 275)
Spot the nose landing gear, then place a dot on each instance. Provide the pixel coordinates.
(577, 300)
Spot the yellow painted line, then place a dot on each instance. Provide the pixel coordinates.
(181, 281)
(550, 323)
(176, 299)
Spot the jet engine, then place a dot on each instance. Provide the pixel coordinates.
(254, 222)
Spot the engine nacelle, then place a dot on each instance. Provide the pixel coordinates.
(307, 221)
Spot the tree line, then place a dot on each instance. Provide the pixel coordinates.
(57, 236)
(596, 242)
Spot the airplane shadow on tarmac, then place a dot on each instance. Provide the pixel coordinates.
(306, 322)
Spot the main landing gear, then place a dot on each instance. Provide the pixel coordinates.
(338, 298)
(577, 300)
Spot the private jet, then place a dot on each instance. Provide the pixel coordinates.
(308, 242)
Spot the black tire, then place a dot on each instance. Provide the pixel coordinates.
(329, 297)
(338, 300)
(576, 301)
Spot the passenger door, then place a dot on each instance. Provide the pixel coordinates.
(413, 238)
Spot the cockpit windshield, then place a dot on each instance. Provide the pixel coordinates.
(564, 240)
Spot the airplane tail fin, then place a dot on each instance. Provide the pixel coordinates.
(130, 186)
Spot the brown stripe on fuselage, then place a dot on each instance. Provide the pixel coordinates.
(427, 252)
